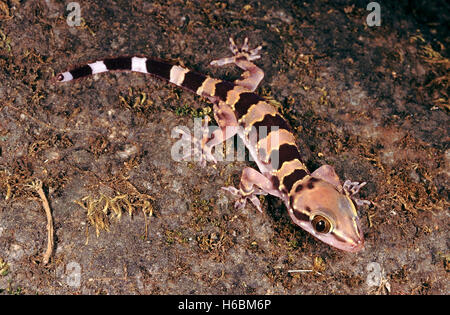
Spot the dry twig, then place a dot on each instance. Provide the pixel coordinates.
(37, 185)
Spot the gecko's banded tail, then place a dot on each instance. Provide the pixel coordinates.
(175, 74)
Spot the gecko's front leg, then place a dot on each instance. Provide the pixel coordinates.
(352, 188)
(253, 183)
(327, 173)
(243, 57)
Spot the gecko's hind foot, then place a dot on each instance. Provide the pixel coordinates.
(241, 197)
(239, 53)
(352, 188)
(200, 152)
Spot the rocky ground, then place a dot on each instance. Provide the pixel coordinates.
(370, 100)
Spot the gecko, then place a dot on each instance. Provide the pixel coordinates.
(317, 202)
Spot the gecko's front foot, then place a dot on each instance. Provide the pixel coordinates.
(352, 188)
(241, 197)
(238, 54)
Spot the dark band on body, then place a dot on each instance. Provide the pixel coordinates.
(222, 89)
(270, 121)
(246, 100)
(292, 178)
(287, 152)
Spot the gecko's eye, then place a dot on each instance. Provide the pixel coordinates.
(321, 224)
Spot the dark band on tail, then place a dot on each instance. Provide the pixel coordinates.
(121, 63)
(139, 64)
(159, 68)
(83, 71)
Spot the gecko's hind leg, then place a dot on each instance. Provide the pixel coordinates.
(197, 143)
(243, 58)
(228, 127)
(205, 139)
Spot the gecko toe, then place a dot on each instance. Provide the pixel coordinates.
(238, 53)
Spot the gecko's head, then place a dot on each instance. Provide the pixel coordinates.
(330, 215)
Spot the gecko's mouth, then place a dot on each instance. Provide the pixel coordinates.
(356, 246)
(349, 245)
